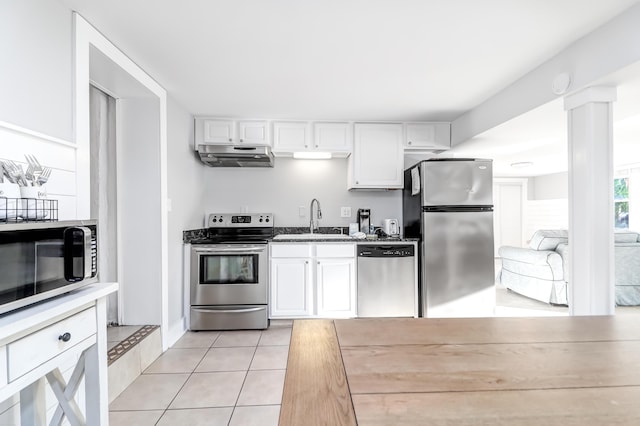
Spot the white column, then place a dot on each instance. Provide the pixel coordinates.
(591, 286)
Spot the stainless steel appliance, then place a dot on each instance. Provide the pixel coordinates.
(229, 275)
(42, 260)
(448, 206)
(364, 220)
(391, 227)
(235, 155)
(387, 280)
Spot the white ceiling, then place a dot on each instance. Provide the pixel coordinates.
(540, 136)
(355, 59)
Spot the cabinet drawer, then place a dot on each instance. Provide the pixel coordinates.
(290, 250)
(335, 250)
(37, 348)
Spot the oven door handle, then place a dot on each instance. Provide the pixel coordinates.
(228, 311)
(226, 250)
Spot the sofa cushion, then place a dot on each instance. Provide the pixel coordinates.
(548, 239)
(625, 237)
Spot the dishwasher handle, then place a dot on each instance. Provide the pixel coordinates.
(379, 250)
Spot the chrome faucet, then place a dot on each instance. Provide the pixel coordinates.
(314, 226)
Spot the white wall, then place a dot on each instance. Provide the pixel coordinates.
(51, 152)
(35, 66)
(186, 192)
(291, 184)
(549, 187)
(546, 214)
(138, 224)
(35, 93)
(547, 204)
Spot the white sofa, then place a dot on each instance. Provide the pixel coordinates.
(541, 271)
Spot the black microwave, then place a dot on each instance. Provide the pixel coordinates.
(42, 260)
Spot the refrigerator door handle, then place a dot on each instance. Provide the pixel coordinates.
(454, 209)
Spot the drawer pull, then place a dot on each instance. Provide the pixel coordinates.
(65, 337)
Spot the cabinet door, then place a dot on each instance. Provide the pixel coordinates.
(217, 131)
(336, 279)
(378, 157)
(428, 136)
(290, 136)
(254, 132)
(290, 288)
(333, 137)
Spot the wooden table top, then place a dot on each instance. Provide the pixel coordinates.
(480, 371)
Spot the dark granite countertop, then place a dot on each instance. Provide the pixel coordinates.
(201, 236)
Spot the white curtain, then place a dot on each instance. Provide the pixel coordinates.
(103, 189)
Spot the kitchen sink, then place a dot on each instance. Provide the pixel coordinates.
(311, 237)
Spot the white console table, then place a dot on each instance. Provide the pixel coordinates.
(36, 341)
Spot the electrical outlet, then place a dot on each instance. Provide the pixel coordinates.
(345, 211)
(301, 211)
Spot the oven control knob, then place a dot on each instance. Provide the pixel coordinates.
(267, 219)
(260, 220)
(214, 220)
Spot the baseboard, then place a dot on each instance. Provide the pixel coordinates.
(175, 332)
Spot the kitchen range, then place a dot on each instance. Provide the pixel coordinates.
(229, 274)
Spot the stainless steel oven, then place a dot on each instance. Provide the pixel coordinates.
(42, 260)
(229, 274)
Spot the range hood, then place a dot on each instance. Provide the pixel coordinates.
(236, 155)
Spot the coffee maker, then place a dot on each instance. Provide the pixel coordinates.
(364, 220)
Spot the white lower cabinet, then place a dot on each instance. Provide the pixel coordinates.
(290, 288)
(312, 280)
(335, 279)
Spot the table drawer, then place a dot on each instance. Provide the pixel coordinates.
(37, 348)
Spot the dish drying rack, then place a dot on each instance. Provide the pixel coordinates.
(22, 210)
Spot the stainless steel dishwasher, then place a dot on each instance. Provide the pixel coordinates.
(387, 280)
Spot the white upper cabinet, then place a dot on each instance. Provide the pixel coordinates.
(297, 136)
(216, 131)
(224, 132)
(427, 136)
(333, 137)
(290, 136)
(253, 132)
(377, 161)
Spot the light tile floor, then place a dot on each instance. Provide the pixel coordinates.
(117, 334)
(211, 378)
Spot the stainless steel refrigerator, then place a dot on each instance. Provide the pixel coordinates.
(448, 206)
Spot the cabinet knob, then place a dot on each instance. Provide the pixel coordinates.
(357, 183)
(241, 140)
(230, 140)
(306, 262)
(65, 337)
(409, 142)
(317, 146)
(318, 262)
(306, 146)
